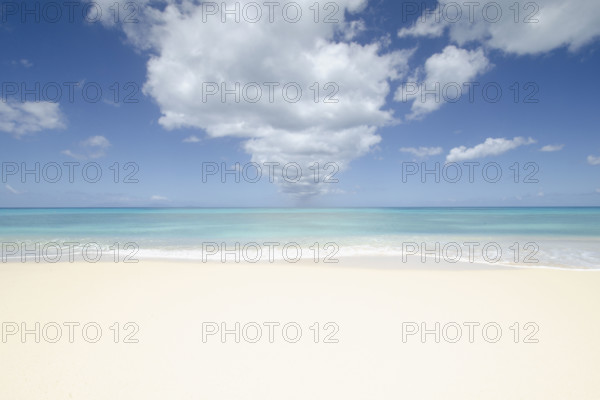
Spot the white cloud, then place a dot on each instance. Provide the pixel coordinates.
(23, 62)
(491, 147)
(598, 190)
(188, 54)
(427, 28)
(445, 75)
(19, 119)
(96, 142)
(158, 198)
(93, 147)
(96, 146)
(353, 29)
(11, 189)
(191, 139)
(541, 26)
(593, 160)
(422, 151)
(73, 155)
(552, 147)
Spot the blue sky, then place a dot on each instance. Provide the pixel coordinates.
(373, 134)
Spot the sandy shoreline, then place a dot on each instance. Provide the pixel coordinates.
(365, 306)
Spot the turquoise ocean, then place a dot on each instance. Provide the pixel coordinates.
(533, 237)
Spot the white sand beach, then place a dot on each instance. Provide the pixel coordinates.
(367, 299)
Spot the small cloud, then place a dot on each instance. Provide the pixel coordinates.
(24, 62)
(111, 102)
(593, 160)
(422, 151)
(552, 147)
(19, 119)
(158, 198)
(96, 141)
(540, 194)
(11, 189)
(93, 147)
(385, 41)
(491, 147)
(336, 191)
(453, 66)
(598, 190)
(74, 155)
(353, 29)
(191, 139)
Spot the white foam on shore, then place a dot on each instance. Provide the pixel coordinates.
(581, 254)
(569, 259)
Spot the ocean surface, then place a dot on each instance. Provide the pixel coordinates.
(521, 237)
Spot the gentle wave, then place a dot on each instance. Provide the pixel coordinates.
(528, 237)
(556, 253)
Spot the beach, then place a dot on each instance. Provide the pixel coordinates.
(338, 200)
(350, 330)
